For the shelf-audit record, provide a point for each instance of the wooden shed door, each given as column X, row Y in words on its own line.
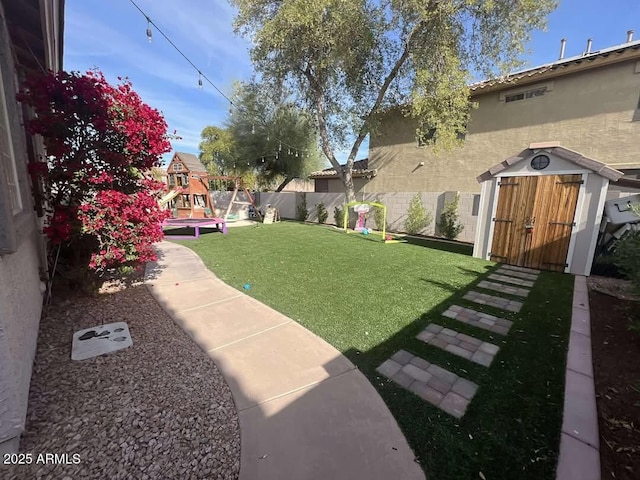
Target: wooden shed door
column 534, row 220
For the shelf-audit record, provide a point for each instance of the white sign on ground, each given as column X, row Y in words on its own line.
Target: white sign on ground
column 95, row 341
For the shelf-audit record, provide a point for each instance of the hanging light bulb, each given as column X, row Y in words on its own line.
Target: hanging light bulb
column 230, row 109
column 262, row 159
column 149, row 32
column 253, row 129
column 199, row 79
column 296, row 154
column 280, row 147
column 267, row 137
column 276, row 155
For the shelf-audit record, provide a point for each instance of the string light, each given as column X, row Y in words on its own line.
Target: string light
column 253, row 129
column 201, row 76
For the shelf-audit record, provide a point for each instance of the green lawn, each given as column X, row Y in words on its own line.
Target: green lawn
column 370, row 299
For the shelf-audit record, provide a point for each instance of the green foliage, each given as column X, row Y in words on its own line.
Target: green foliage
column 349, row 61
column 378, row 216
column 322, row 213
column 627, row 257
column 418, row 218
column 301, row 209
column 338, row 217
column 448, row 226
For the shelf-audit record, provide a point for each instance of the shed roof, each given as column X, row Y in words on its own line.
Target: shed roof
column 192, row 162
column 360, row 169
column 600, row 168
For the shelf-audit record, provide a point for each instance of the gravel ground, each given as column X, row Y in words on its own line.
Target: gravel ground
column 159, row 409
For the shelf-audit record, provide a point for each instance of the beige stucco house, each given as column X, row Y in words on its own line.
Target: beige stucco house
column 589, row 103
column 31, row 38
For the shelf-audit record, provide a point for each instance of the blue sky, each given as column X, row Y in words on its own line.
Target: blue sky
column 110, row 35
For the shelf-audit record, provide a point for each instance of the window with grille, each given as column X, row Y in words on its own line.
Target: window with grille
column 177, row 167
column 535, row 92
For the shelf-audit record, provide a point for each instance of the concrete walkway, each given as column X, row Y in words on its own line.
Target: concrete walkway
column 305, row 411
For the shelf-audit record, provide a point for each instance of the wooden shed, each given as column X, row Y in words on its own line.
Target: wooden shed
column 542, row 209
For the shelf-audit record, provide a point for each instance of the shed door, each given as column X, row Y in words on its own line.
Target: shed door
column 534, row 220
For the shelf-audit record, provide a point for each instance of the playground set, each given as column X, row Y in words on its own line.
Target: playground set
column 210, row 215
column 361, row 209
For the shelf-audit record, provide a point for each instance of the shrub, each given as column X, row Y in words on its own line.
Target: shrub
column 338, row 217
column 418, row 218
column 378, row 216
column 322, row 213
column 302, row 212
column 102, row 212
column 448, row 226
column 627, row 257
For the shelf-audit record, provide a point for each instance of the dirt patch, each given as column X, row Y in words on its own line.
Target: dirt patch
column 616, row 351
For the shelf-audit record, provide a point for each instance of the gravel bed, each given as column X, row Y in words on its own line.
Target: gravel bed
column 159, row 409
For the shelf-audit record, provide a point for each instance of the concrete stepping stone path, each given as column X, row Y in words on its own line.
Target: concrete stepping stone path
column 478, row 319
column 516, row 281
column 459, row 344
column 498, row 302
column 520, row 269
column 500, row 287
column 514, row 273
column 432, row 383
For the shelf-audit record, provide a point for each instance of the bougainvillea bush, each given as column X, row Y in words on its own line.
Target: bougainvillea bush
column 101, row 209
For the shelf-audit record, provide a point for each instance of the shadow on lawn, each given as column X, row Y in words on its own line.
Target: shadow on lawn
column 438, row 244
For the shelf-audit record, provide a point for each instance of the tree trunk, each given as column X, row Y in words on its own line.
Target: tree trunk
column 284, row 183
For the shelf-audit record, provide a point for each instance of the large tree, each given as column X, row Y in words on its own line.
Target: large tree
column 265, row 140
column 276, row 138
column 352, row 59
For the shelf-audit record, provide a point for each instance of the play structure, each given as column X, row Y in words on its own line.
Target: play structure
column 361, row 209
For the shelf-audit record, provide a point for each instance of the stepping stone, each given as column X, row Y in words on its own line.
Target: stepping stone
column 499, row 287
column 513, row 273
column 520, row 269
column 432, row 383
column 515, row 281
column 478, row 319
column 460, row 344
column 497, row 302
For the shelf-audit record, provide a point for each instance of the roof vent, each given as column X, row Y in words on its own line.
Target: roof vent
column 563, row 44
column 589, row 43
column 629, row 36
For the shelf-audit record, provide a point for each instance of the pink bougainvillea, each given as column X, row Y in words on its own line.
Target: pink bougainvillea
column 99, row 141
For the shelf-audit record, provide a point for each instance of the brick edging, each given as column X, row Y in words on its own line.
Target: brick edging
column 579, row 457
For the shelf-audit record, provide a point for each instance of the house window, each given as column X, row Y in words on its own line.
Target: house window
column 186, row 201
column 7, row 159
column 535, row 92
column 425, row 137
column 185, row 179
column 172, row 180
column 177, row 167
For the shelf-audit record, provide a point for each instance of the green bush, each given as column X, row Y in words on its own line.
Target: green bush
column 378, row 216
column 322, row 213
column 301, row 209
column 448, row 226
column 627, row 257
column 418, row 218
column 338, row 217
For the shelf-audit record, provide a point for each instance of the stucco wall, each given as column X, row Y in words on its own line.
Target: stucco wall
column 397, row 207
column 20, row 295
column 590, row 112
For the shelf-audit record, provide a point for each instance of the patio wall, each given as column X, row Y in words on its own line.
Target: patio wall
column 397, row 207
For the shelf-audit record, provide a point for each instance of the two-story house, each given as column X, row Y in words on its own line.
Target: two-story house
column 31, row 39
column 187, row 174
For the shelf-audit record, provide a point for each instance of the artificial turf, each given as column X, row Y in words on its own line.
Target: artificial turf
column 370, row 299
